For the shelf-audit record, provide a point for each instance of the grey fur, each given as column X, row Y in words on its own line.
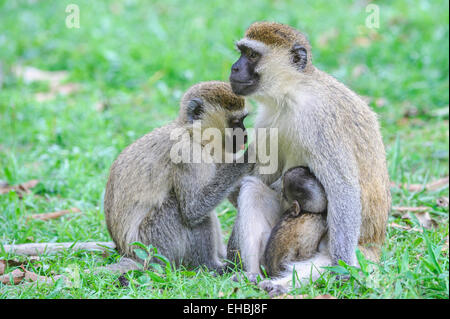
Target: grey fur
column 155, row 201
column 325, row 126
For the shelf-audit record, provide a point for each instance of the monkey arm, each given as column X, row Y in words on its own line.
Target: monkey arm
column 271, row 180
column 197, row 201
column 338, row 175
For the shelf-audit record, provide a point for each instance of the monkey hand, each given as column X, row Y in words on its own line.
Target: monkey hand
column 250, row 277
column 272, row 288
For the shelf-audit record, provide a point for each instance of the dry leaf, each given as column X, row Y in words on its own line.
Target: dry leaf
column 15, row 262
column 410, row 209
column 418, row 187
column 62, row 89
column 442, row 202
column 67, row 88
column 424, row 219
column 20, row 188
column 437, row 184
column 23, row 275
column 403, row 227
column 30, row 74
column 44, row 96
column 53, row 215
column 16, row 275
column 325, row 297
column 287, row 296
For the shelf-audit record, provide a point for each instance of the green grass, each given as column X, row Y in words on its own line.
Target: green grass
column 139, row 56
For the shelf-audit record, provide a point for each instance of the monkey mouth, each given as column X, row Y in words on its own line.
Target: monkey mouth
column 243, row 87
column 243, row 82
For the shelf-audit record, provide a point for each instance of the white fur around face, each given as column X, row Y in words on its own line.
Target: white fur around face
column 258, row 46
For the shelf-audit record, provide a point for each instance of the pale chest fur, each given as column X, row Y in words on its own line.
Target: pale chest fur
column 291, row 150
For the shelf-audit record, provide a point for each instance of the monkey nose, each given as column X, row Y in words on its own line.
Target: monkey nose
column 234, row 68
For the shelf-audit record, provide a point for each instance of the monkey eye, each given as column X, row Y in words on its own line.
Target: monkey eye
column 253, row 55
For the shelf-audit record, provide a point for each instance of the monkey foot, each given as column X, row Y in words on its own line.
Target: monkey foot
column 272, row 288
column 250, row 276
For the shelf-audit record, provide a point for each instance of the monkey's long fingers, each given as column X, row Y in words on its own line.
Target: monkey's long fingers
column 272, row 288
column 249, row 276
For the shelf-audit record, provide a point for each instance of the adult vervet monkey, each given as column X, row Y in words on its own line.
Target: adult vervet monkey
column 170, row 205
column 323, row 125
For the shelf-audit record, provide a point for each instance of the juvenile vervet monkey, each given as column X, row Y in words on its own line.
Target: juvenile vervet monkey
column 297, row 235
column 322, row 125
column 151, row 199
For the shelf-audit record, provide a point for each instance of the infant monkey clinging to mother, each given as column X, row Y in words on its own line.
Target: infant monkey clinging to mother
column 300, row 229
column 297, row 235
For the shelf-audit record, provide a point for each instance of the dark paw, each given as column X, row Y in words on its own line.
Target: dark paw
column 246, row 277
column 272, row 289
column 122, row 281
column 219, row 270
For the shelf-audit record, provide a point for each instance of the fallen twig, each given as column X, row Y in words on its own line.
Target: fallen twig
column 20, row 275
column 53, row 215
column 419, row 187
column 20, row 188
column 41, row 248
column 411, row 209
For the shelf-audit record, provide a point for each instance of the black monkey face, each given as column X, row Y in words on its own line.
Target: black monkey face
column 243, row 78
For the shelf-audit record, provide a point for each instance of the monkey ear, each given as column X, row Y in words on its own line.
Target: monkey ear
column 299, row 56
column 295, row 208
column 194, row 109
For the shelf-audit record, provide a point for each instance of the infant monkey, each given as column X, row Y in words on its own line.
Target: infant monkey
column 297, row 235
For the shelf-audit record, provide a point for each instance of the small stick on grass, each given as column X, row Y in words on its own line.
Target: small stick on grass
column 53, row 215
column 41, row 248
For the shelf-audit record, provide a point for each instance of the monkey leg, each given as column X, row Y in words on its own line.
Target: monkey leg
column 166, row 233
column 258, row 211
column 205, row 246
column 220, row 246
